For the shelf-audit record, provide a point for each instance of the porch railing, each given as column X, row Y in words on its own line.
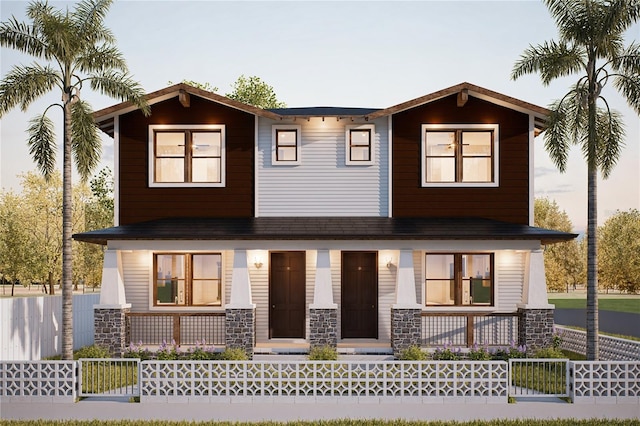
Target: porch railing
column 154, row 328
column 467, row 329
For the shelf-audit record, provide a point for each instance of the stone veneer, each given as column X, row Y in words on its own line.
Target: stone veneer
column 406, row 329
column 535, row 328
column 323, row 327
column 110, row 329
column 240, row 326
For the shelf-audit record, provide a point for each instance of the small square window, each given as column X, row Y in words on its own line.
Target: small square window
column 286, row 145
column 359, row 147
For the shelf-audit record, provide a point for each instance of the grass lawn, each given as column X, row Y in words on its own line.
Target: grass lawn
column 630, row 303
column 346, row 422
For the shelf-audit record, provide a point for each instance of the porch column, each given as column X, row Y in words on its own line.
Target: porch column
column 240, row 319
column 535, row 314
column 110, row 316
column 406, row 318
column 323, row 313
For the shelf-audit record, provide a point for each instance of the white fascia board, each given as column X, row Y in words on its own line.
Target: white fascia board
column 532, row 136
column 362, row 245
column 116, row 171
column 390, row 165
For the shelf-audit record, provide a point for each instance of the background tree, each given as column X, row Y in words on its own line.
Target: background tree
column 13, row 239
column 75, row 48
column 253, row 91
column 591, row 45
column 204, row 86
column 563, row 262
column 98, row 214
column 619, row 255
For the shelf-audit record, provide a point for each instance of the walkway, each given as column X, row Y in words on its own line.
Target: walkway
column 109, row 409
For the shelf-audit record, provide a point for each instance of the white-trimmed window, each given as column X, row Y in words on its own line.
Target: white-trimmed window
column 359, row 148
column 285, row 146
column 186, row 155
column 459, row 279
column 460, row 154
column 185, row 279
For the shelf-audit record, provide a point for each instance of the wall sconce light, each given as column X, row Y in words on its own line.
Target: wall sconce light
column 389, row 262
column 257, row 262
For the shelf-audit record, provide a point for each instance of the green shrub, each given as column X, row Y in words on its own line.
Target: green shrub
column 549, row 352
column 323, row 353
column 509, row 352
column 137, row 351
column 93, row 351
column 413, row 353
column 479, row 353
column 233, row 354
column 446, row 354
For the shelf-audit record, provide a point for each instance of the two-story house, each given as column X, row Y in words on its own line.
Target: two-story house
column 349, row 227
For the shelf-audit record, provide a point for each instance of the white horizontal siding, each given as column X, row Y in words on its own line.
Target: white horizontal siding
column 322, row 184
column 136, row 270
column 510, row 270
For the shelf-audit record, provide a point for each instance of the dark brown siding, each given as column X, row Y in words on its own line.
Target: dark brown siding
column 508, row 202
column 139, row 203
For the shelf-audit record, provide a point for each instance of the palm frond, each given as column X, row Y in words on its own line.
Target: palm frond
column 38, row 11
column 556, row 139
column 551, row 60
column 568, row 16
column 88, row 18
column 42, row 144
column 102, row 57
column 24, row 84
column 628, row 62
column 86, row 145
column 120, row 86
column 629, row 86
column 610, row 131
column 619, row 15
column 63, row 44
column 22, row 37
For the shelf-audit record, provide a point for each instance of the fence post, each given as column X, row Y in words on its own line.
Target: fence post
column 176, row 329
column 470, row 330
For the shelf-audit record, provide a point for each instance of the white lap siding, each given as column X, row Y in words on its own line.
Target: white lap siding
column 136, row 270
column 322, row 184
column 510, row 270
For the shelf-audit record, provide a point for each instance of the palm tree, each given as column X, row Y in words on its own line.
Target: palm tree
column 74, row 48
column 591, row 45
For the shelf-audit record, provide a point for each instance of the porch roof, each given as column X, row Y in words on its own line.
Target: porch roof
column 324, row 228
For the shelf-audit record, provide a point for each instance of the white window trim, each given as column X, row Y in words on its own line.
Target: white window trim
column 274, row 157
column 347, row 147
column 152, row 163
column 496, row 157
column 189, row 308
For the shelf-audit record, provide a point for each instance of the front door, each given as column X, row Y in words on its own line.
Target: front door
column 287, row 294
column 359, row 295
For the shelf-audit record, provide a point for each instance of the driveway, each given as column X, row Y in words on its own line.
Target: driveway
column 624, row 323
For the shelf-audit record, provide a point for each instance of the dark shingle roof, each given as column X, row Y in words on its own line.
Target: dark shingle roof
column 323, row 228
column 324, row 111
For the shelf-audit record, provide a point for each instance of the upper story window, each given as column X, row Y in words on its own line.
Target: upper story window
column 184, row 279
column 359, row 144
column 190, row 155
column 459, row 279
column 460, row 155
column 285, row 148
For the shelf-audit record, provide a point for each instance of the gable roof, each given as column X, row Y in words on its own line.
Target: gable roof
column 538, row 112
column 104, row 117
column 324, row 228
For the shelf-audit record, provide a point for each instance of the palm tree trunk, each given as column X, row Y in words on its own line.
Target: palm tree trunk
column 592, row 222
column 67, row 289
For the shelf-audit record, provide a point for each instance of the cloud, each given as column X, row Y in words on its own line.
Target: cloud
column 557, row 189
column 107, row 153
column 544, row 171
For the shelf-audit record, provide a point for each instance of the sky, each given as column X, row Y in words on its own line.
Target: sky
column 357, row 54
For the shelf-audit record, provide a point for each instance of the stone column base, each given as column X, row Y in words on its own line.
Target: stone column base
column 240, row 329
column 535, row 328
column 110, row 329
column 406, row 329
column 323, row 327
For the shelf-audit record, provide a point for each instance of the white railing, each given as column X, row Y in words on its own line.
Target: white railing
column 610, row 348
column 316, row 381
column 605, row 382
column 31, row 327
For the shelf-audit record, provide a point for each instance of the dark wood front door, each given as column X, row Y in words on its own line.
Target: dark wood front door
column 359, row 295
column 287, row 294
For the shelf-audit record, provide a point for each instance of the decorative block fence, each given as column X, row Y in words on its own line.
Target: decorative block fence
column 313, row 381
column 611, row 348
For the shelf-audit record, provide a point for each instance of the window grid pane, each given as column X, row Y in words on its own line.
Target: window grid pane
column 458, row 279
column 360, row 145
column 286, row 145
column 183, row 279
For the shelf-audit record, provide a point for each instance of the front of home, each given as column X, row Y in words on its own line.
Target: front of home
column 302, row 227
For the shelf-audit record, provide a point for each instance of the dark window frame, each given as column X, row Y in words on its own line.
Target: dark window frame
column 294, row 147
column 352, row 145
